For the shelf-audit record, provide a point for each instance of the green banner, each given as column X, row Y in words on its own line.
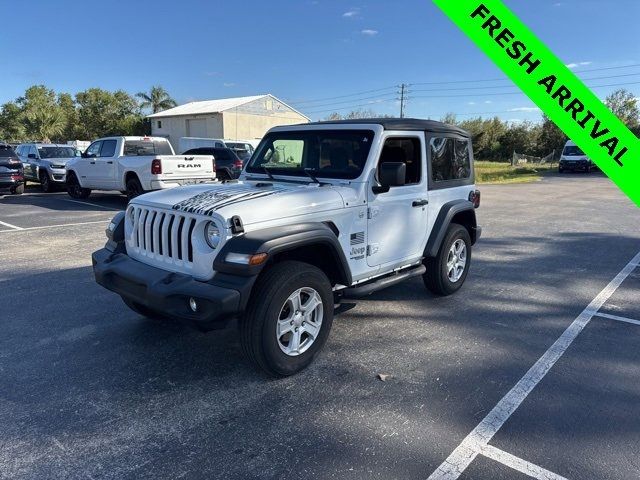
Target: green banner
column 559, row 93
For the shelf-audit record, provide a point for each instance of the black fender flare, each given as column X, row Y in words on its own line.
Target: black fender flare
column 443, row 220
column 276, row 240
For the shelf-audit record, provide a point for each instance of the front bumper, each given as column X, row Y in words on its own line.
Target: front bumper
column 166, row 292
column 57, row 175
column 575, row 165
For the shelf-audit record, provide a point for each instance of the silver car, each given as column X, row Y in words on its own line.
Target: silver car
column 44, row 163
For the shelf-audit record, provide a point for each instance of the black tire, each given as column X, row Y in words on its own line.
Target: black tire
column 17, row 190
column 436, row 278
column 560, row 170
column 222, row 175
column 142, row 310
column 134, row 188
column 258, row 338
column 74, row 189
column 45, row 182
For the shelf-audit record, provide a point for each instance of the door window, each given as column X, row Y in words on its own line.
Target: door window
column 108, row 148
column 94, row 149
column 406, row 150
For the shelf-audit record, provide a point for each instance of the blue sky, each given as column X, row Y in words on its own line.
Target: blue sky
column 306, row 52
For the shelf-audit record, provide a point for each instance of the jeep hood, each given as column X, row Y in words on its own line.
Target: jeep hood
column 252, row 202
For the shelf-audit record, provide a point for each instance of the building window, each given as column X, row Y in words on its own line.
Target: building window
column 159, row 124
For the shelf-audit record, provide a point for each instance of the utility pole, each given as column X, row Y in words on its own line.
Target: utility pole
column 403, row 98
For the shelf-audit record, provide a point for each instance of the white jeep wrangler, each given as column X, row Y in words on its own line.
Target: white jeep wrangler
column 322, row 211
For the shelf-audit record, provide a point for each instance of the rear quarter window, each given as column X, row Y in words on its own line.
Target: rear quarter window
column 143, row 148
column 450, row 161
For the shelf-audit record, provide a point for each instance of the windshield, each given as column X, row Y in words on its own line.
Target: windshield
column 573, row 151
column 324, row 153
column 56, row 152
column 147, row 147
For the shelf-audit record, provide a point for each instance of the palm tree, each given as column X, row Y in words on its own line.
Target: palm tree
column 157, row 99
column 45, row 124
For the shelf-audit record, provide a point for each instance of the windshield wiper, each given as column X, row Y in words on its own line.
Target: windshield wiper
column 310, row 173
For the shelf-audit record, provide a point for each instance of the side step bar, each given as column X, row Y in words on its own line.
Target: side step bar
column 384, row 282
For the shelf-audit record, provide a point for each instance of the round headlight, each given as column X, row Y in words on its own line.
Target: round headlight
column 212, row 235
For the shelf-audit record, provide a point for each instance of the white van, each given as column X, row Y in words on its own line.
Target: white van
column 573, row 158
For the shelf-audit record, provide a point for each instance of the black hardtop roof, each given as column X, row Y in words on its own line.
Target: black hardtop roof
column 401, row 124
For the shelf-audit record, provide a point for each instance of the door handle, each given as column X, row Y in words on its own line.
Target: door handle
column 420, row 203
column 92, row 163
column 110, row 163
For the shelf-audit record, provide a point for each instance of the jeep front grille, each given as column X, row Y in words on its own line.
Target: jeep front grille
column 162, row 235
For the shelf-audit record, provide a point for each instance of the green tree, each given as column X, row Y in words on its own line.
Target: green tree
column 101, row 113
column 518, row 137
column 550, row 138
column 486, row 134
column 157, row 100
column 67, row 105
column 449, row 119
column 42, row 117
column 624, row 105
column 356, row 114
column 11, row 124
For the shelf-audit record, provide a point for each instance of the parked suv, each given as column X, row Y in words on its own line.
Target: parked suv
column 228, row 163
column 45, row 163
column 11, row 172
column 322, row 212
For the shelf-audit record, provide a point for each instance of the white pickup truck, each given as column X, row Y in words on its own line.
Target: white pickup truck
column 134, row 165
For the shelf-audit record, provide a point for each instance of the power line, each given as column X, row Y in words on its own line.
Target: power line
column 352, row 107
column 370, row 104
column 507, row 86
column 375, row 97
column 389, row 93
column 515, row 93
column 341, row 96
column 503, row 78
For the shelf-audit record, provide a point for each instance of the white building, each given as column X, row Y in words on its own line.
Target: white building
column 242, row 118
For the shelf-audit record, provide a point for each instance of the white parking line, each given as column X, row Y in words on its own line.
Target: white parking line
column 466, row 452
column 11, row 226
column 88, row 203
column 619, row 319
column 26, row 229
column 518, row 464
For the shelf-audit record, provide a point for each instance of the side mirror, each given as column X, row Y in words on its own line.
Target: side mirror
column 390, row 174
column 32, row 156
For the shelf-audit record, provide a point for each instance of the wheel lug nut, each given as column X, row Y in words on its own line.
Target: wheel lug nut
column 291, row 322
column 296, row 329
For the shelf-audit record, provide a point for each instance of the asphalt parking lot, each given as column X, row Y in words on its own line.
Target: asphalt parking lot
column 531, row 370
